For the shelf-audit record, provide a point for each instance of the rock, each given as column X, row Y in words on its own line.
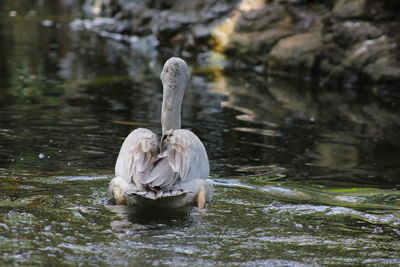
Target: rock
column 348, row 33
column 157, row 4
column 201, row 33
column 261, row 18
column 259, row 29
column 217, row 10
column 382, row 10
column 255, row 44
column 366, row 52
column 178, row 24
column 166, row 31
column 349, row 41
column 104, row 8
column 369, row 60
column 348, row 9
column 384, row 69
column 297, row 52
column 367, row 9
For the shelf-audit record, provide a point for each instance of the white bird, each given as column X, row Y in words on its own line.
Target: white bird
column 169, row 173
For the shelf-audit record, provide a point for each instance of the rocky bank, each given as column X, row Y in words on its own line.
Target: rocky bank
column 351, row 42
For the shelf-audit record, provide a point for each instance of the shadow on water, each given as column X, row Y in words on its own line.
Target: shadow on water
column 302, row 175
column 168, row 217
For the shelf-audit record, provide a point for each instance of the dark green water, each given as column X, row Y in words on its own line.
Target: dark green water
column 303, row 175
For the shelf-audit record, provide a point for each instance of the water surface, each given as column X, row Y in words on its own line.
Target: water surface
column 303, row 175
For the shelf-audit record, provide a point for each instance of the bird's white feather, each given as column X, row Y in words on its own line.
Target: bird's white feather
column 136, row 156
column 183, row 158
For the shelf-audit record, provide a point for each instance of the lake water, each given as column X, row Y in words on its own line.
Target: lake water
column 303, row 175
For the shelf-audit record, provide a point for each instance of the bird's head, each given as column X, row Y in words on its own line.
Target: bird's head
column 175, row 73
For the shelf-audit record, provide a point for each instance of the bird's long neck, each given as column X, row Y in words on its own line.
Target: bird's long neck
column 171, row 106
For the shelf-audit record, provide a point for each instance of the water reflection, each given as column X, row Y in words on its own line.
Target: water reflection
column 156, row 217
column 318, row 131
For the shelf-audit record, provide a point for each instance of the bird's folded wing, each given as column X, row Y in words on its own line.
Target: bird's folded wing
column 184, row 158
column 188, row 156
column 136, row 156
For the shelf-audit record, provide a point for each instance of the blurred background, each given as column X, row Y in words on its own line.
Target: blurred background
column 296, row 102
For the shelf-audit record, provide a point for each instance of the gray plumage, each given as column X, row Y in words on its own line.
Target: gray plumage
column 168, row 173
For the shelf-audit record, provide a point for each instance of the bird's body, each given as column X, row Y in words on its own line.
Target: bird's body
column 169, row 173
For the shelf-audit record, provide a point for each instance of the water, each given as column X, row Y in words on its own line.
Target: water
column 303, row 175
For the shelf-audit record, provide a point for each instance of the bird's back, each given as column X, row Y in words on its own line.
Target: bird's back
column 176, row 168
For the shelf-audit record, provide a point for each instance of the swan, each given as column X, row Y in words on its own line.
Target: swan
column 167, row 173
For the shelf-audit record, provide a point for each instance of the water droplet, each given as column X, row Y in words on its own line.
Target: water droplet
column 41, row 156
column 47, row 23
column 298, row 225
column 377, row 230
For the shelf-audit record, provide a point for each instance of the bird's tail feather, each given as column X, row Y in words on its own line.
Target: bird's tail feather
column 158, row 194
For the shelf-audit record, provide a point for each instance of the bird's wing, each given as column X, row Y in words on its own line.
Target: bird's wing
column 183, row 157
column 188, row 156
column 136, row 156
